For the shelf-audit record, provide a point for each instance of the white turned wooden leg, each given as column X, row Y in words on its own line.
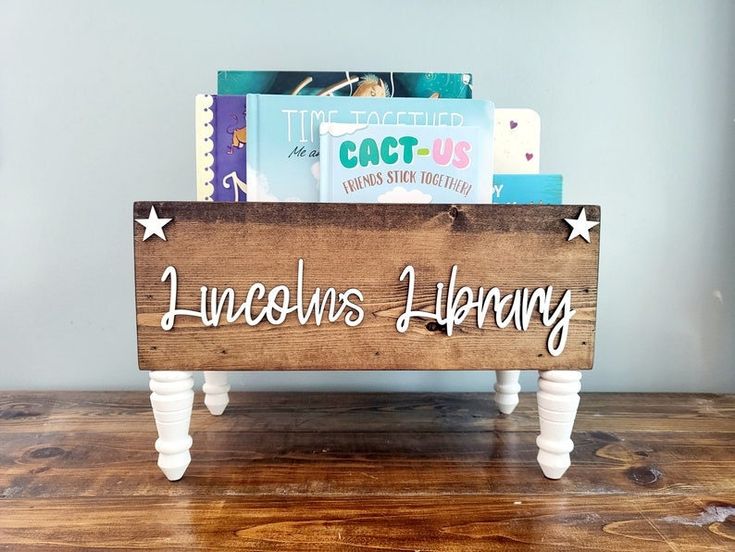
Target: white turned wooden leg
column 558, row 400
column 172, row 399
column 507, row 389
column 215, row 392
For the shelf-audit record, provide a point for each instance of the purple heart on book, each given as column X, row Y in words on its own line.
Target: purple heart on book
column 529, row 156
column 513, row 124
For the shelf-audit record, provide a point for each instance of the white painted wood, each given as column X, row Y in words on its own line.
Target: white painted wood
column 558, row 399
column 153, row 225
column 172, row 399
column 215, row 392
column 581, row 226
column 507, row 389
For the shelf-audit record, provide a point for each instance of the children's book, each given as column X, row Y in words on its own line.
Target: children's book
column 517, row 152
column 361, row 163
column 220, row 147
column 221, row 161
column 346, row 83
column 283, row 134
column 527, row 188
column 517, row 141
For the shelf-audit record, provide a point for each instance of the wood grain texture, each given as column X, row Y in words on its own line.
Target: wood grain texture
column 365, row 246
column 319, row 471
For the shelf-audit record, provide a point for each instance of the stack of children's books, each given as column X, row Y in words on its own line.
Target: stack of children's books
column 365, row 137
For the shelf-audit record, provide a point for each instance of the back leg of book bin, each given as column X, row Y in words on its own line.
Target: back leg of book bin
column 216, row 390
column 507, row 389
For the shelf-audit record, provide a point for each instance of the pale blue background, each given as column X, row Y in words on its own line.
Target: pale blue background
column 637, row 101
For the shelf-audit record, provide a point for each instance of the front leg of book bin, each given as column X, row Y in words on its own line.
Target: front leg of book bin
column 172, row 398
column 558, row 399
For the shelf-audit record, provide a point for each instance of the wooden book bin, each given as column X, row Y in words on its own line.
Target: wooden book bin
column 288, row 286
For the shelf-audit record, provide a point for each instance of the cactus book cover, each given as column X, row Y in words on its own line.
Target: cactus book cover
column 362, row 163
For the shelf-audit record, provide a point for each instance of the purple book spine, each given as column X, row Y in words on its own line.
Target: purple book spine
column 220, row 146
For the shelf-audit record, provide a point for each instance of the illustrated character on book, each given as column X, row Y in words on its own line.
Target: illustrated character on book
column 372, row 86
column 239, row 136
column 369, row 85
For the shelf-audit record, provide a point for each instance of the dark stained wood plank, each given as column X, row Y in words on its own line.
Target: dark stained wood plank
column 365, row 412
column 489, row 522
column 356, row 444
column 344, row 246
column 318, row 471
column 362, row 464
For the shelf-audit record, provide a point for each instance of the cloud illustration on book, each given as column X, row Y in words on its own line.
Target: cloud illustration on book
column 259, row 182
column 340, row 129
column 399, row 194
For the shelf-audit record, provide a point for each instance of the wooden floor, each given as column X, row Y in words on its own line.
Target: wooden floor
column 367, row 472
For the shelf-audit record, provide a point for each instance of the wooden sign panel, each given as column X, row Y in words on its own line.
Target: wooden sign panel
column 287, row 286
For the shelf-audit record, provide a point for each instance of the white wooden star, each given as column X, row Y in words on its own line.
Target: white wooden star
column 153, row 225
column 581, row 226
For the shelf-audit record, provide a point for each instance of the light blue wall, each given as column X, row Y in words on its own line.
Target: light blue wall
column 637, row 101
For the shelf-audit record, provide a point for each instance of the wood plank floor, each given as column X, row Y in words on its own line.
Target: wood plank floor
column 367, row 472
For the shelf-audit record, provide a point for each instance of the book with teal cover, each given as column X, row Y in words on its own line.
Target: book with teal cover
column 346, row 83
column 543, row 189
column 283, row 134
column 362, row 163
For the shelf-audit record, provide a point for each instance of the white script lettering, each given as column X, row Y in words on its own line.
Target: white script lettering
column 278, row 305
column 459, row 304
